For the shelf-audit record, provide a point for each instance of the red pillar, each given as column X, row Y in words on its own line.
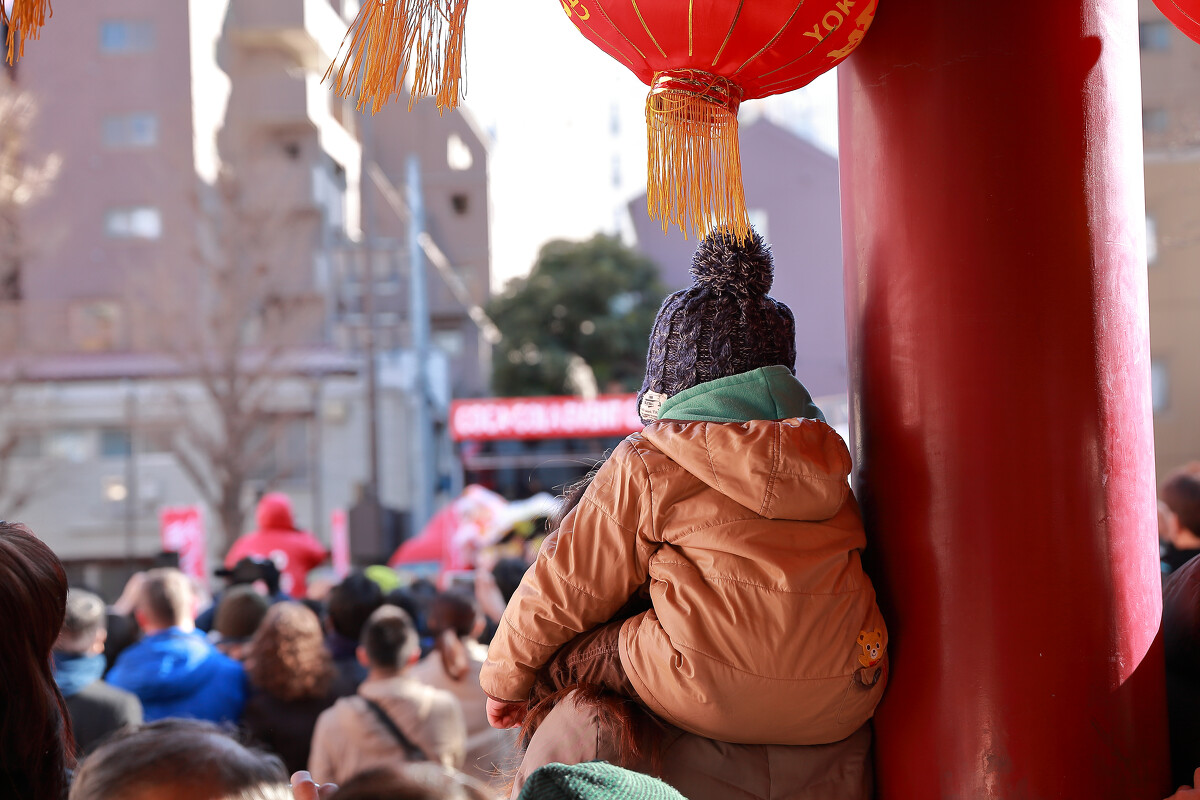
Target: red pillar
column 996, row 298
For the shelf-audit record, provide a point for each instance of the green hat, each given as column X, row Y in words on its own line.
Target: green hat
column 595, row 780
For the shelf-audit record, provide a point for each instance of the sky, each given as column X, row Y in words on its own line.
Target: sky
column 567, row 128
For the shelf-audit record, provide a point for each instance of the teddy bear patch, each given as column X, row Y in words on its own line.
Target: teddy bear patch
column 872, row 646
column 871, row 643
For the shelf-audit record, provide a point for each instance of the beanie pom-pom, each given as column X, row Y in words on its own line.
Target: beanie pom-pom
column 722, row 264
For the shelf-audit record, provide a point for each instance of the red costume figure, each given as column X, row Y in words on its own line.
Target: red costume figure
column 294, row 551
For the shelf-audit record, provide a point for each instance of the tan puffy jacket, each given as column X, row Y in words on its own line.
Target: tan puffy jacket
column 764, row 628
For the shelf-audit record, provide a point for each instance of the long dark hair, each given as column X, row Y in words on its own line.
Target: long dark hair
column 36, row 747
column 452, row 616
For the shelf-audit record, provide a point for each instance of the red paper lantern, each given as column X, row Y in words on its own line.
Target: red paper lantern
column 1184, row 13
column 701, row 59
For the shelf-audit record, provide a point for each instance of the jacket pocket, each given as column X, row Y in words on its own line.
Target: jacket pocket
column 862, row 695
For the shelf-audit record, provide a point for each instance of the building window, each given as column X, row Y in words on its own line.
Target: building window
column 126, row 36
column 1151, row 240
column 452, row 343
column 69, row 444
column 458, row 155
column 1154, row 120
column 94, row 326
column 1155, row 35
column 1160, row 385
column 28, row 444
column 130, row 130
column 285, row 442
column 139, row 222
column 115, row 443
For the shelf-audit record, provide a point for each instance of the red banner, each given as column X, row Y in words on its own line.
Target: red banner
column 182, row 529
column 544, row 417
column 339, row 543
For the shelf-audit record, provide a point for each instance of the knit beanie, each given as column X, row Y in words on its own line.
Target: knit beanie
column 594, row 780
column 724, row 324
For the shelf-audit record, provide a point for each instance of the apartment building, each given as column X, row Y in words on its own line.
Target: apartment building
column 194, row 134
column 1171, row 131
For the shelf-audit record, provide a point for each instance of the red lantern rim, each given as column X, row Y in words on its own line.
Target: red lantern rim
column 705, row 85
column 1187, row 19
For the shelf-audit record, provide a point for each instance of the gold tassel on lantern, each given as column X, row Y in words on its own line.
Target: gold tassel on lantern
column 390, row 35
column 24, row 20
column 694, row 175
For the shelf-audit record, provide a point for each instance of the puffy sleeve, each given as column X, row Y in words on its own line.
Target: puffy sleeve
column 584, row 574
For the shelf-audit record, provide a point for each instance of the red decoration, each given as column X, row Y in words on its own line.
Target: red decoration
column 1184, row 13
column 23, row 19
column 544, row 417
column 701, row 59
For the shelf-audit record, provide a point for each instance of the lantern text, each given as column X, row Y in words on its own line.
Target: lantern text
column 832, row 19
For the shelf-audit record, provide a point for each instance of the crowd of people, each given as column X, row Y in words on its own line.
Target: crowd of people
column 698, row 624
column 352, row 683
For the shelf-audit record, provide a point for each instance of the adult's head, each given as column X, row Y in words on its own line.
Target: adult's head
column 1168, row 523
column 287, row 658
column 35, row 735
column 1181, row 493
column 508, row 573
column 166, row 600
column 239, row 614
column 389, row 641
column 83, row 630
column 416, row 781
column 724, row 324
column 274, row 513
column 253, row 571
column 182, row 760
column 454, row 612
column 403, row 598
column 452, row 617
column 351, row 602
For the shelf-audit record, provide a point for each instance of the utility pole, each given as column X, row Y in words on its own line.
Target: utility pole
column 369, row 345
column 426, row 462
column 131, row 475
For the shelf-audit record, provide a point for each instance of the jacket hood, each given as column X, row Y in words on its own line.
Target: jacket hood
column 275, row 513
column 167, row 666
column 764, row 393
column 747, row 436
column 787, row 469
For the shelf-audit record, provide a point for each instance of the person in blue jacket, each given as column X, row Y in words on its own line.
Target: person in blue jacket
column 174, row 670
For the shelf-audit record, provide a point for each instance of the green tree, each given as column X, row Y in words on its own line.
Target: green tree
column 585, row 305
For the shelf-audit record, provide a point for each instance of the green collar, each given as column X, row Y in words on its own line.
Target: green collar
column 764, row 393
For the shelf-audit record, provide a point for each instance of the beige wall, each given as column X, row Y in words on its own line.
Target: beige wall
column 239, row 81
column 77, row 86
column 1170, row 81
column 457, row 217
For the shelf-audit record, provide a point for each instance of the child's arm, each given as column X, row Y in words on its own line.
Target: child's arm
column 583, row 575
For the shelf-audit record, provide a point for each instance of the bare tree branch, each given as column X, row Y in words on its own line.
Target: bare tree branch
column 228, row 324
column 23, row 179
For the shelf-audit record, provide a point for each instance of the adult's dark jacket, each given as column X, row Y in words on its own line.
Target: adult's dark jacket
column 99, row 710
column 96, row 708
column 1181, row 641
column 286, row 727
